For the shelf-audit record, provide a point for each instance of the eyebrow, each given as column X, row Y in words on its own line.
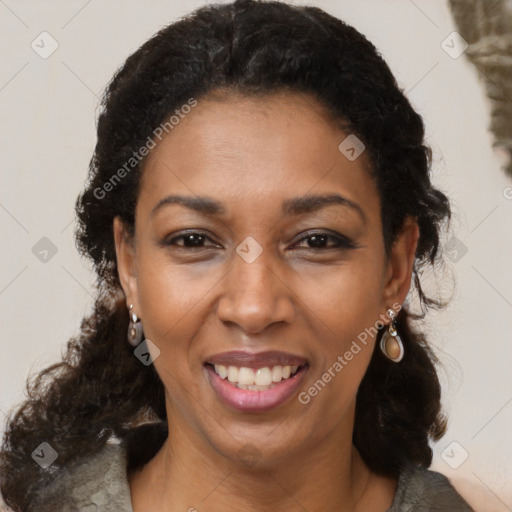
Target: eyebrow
column 295, row 206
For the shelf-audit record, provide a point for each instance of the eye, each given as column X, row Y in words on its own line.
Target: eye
column 319, row 240
column 191, row 240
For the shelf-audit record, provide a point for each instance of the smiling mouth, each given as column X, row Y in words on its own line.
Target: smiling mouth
column 255, row 379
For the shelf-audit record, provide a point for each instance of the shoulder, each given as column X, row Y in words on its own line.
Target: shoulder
column 97, row 482
column 423, row 490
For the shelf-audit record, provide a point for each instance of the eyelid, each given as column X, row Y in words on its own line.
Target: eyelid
column 344, row 242
column 170, row 239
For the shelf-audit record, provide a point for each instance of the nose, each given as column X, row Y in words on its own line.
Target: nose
column 255, row 295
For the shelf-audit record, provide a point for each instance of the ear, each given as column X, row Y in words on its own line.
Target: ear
column 126, row 263
column 398, row 274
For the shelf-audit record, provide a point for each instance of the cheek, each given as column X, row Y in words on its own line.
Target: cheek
column 346, row 299
column 172, row 298
column 344, row 308
column 170, row 295
column 344, row 314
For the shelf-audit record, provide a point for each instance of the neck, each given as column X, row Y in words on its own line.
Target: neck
column 188, row 474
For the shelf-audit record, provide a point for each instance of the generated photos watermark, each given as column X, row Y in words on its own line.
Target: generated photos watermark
column 344, row 359
column 137, row 156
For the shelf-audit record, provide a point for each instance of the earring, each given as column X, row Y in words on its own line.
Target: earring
column 134, row 328
column 390, row 344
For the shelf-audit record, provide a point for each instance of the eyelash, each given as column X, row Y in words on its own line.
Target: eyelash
column 341, row 242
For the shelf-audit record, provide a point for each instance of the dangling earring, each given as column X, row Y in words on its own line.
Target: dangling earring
column 390, row 344
column 134, row 328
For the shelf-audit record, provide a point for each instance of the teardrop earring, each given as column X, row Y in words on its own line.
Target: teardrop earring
column 134, row 328
column 390, row 344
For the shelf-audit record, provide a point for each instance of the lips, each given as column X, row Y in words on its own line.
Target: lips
column 255, row 382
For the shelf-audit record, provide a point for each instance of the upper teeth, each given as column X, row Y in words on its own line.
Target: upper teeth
column 257, row 379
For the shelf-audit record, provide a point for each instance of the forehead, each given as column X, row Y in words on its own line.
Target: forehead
column 245, row 150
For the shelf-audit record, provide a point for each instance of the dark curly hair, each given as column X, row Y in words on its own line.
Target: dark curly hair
column 251, row 47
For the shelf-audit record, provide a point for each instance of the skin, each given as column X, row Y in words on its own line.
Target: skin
column 251, row 154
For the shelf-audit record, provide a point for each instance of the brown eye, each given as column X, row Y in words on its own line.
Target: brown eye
column 321, row 241
column 191, row 240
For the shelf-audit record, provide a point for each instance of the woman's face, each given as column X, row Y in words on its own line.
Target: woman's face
column 285, row 268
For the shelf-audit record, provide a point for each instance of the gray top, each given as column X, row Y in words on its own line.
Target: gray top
column 100, row 484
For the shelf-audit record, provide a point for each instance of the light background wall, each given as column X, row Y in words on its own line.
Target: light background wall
column 47, row 112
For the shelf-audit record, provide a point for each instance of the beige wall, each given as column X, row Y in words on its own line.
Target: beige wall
column 47, row 112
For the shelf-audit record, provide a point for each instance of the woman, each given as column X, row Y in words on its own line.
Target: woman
column 258, row 203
